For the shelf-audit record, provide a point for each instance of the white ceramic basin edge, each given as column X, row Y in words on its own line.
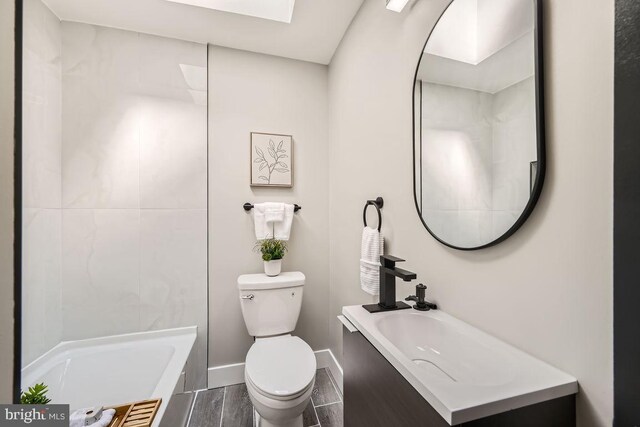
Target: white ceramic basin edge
column 462, row 372
column 114, row 369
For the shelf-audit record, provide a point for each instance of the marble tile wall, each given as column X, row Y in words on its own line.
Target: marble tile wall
column 115, row 184
column 134, row 185
column 100, row 272
column 42, row 171
column 476, row 150
column 115, row 178
column 514, row 148
column 456, row 163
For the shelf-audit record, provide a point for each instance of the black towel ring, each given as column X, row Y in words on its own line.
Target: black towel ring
column 378, row 203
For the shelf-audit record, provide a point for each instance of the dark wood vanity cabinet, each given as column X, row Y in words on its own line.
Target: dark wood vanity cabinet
column 376, row 394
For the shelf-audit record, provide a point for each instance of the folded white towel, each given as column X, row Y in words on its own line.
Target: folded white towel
column 274, row 212
column 372, row 248
column 282, row 229
column 80, row 418
column 107, row 416
column 263, row 229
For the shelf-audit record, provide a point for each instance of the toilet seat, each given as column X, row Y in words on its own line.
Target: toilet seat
column 272, row 397
column 280, row 368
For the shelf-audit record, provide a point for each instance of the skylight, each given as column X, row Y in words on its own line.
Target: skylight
column 473, row 30
column 275, row 10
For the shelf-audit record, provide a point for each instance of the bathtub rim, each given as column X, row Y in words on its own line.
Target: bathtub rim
column 169, row 378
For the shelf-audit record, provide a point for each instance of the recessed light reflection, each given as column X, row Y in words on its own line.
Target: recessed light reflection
column 196, row 79
column 396, row 5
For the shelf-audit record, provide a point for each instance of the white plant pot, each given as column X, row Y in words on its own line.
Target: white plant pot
column 273, row 268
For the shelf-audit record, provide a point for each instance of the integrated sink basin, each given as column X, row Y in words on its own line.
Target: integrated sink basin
column 463, row 373
column 445, row 353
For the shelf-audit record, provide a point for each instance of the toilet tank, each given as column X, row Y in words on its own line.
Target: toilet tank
column 271, row 305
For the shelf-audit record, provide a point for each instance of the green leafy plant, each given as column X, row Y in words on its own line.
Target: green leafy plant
column 36, row 395
column 271, row 249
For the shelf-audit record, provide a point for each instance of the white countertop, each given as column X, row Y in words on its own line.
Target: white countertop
column 463, row 373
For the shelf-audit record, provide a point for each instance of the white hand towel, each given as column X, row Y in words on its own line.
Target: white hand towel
column 282, row 229
column 264, row 230
column 369, row 277
column 274, row 212
column 372, row 248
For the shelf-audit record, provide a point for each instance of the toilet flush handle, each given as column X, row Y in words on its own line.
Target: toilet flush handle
column 249, row 297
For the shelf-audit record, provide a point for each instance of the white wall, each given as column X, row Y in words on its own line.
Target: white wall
column 253, row 92
column 7, row 64
column 42, row 181
column 548, row 289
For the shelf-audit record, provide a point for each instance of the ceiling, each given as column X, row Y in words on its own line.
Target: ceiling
column 508, row 66
column 315, row 31
column 276, row 10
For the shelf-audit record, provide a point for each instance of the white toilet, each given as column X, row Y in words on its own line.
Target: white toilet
column 280, row 368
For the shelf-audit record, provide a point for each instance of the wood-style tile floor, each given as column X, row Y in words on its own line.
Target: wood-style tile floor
column 231, row 407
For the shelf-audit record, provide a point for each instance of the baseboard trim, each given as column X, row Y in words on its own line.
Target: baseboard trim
column 222, row 376
column 326, row 359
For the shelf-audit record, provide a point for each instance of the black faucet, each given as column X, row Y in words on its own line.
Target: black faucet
column 421, row 304
column 388, row 274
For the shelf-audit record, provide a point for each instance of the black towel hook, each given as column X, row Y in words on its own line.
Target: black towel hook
column 378, row 203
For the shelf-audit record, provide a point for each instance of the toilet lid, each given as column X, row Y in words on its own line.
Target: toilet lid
column 281, row 366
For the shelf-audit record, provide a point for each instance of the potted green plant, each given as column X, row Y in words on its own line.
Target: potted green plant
column 272, row 251
column 36, row 395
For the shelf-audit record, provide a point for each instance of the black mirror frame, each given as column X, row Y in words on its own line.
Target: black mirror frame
column 540, row 130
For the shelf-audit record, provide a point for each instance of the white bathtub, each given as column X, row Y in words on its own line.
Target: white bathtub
column 114, row 370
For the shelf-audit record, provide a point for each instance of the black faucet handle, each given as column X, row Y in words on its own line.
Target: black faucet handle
column 421, row 304
column 389, row 261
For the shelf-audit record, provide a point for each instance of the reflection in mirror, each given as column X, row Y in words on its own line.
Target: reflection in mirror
column 478, row 145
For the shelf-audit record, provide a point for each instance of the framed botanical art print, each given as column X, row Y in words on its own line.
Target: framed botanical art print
column 271, row 160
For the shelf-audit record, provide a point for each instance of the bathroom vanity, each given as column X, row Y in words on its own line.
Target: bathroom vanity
column 431, row 369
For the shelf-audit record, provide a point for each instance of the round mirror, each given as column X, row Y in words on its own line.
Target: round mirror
column 478, row 122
